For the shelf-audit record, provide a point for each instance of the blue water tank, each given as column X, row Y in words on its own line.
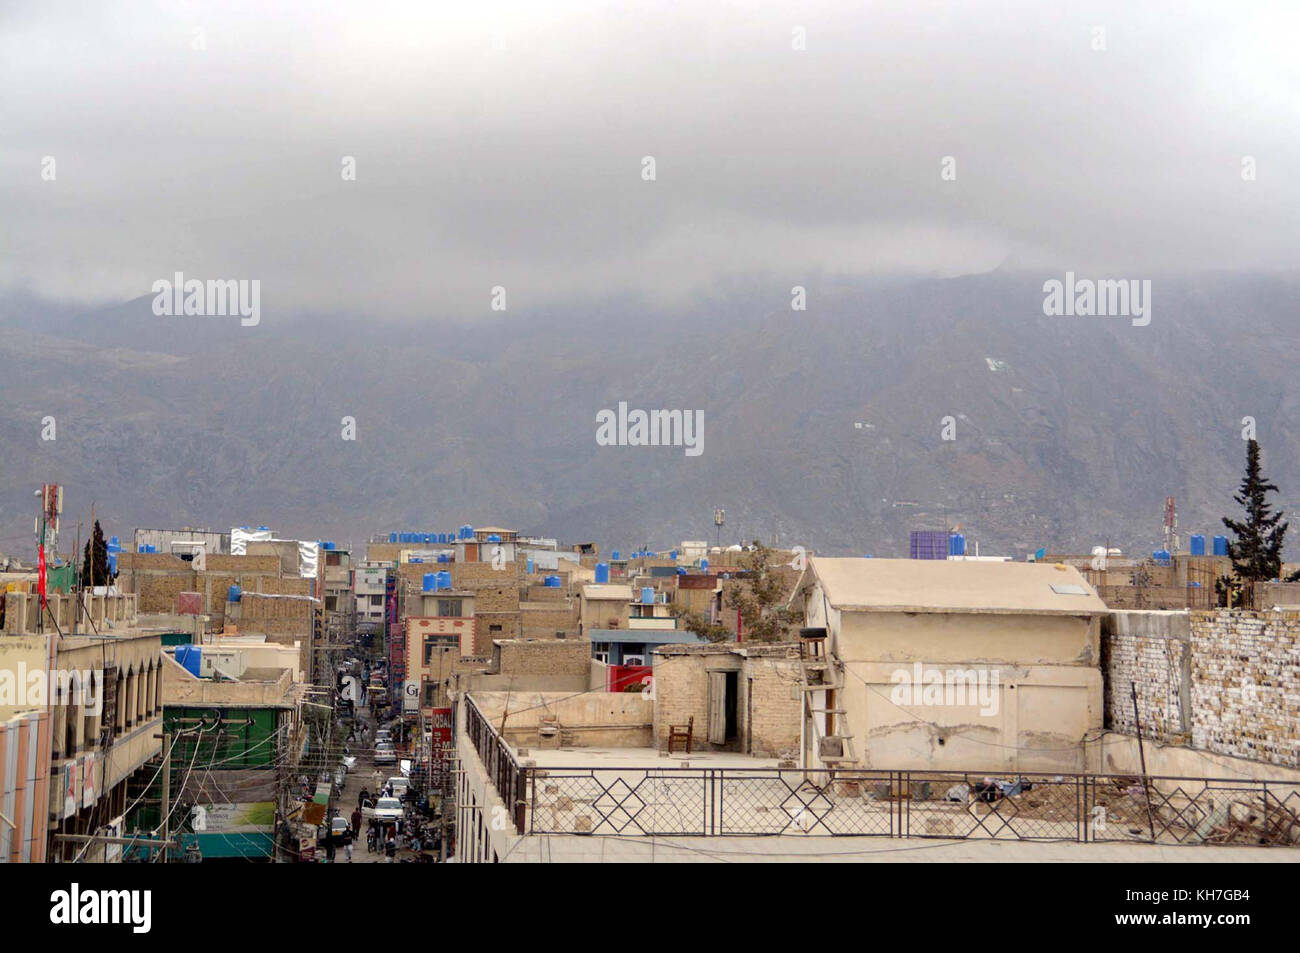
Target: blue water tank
column 234, row 594
column 704, row 564
column 614, row 554
column 1220, row 545
column 494, row 538
column 429, row 581
column 681, row 570
column 113, row 545
column 647, row 595
column 188, row 657
column 866, row 556
column 602, row 572
column 673, row 554
column 528, row 566
column 553, row 582
column 263, row 529
column 392, row 537
column 956, row 544
column 1161, row 556
column 1197, row 542
column 417, row 559
column 444, row 580
column 140, row 548
column 112, row 562
column 444, row 558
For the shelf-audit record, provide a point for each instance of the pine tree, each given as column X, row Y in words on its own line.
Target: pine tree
column 1256, row 553
column 94, row 564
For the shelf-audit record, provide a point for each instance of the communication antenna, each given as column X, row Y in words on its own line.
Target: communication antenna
column 719, row 520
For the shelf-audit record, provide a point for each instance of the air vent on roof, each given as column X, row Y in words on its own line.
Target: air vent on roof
column 1068, row 589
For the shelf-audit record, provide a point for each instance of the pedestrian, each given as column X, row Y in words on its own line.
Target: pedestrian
column 356, row 822
column 347, row 849
column 390, row 848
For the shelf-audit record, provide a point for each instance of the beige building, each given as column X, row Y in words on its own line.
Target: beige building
column 102, row 695
column 604, row 606
column 936, row 664
column 739, row 697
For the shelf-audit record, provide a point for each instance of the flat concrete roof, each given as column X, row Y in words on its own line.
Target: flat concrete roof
column 636, row 758
column 607, row 591
column 647, row 636
column 941, row 585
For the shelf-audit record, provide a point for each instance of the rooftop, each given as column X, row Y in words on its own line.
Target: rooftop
column 607, row 591
column 940, row 585
column 637, row 636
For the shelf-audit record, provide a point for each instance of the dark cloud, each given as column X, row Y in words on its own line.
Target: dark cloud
column 501, row 144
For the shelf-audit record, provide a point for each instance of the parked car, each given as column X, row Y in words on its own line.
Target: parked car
column 384, row 754
column 338, row 832
column 400, row 786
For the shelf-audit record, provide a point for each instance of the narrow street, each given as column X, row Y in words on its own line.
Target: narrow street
column 366, row 775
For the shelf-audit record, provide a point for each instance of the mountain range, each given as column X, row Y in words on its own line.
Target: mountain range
column 823, row 427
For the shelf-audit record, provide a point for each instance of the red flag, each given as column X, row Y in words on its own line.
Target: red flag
column 40, row 575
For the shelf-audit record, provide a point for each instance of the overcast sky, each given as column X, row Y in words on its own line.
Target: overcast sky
column 502, row 144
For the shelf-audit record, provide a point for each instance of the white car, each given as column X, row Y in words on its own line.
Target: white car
column 387, row 809
column 385, row 755
column 400, row 786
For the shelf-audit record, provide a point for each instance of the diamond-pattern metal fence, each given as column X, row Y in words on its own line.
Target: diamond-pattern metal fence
column 1031, row 807
column 684, row 801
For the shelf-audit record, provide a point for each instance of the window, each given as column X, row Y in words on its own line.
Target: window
column 449, row 608
column 633, row 659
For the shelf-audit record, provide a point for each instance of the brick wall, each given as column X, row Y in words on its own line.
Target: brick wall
column 542, row 621
column 681, row 691
column 1221, row 681
column 553, row 657
column 1152, row 652
column 774, row 706
column 1246, row 684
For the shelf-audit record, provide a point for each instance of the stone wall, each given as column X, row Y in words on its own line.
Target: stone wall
column 1222, row 681
column 1152, row 651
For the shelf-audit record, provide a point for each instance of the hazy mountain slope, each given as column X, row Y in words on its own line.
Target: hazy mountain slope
column 1078, row 435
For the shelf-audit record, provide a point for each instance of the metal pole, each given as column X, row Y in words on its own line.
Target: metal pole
column 166, row 789
column 1146, row 790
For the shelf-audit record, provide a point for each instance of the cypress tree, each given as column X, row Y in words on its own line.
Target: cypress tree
column 1256, row 552
column 94, row 564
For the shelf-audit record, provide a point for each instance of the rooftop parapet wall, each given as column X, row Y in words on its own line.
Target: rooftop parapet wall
column 1223, row 681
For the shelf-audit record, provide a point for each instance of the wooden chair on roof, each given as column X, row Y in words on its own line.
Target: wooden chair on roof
column 681, row 733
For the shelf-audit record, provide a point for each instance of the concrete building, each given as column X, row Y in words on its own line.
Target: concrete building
column 937, row 664
column 368, row 586
column 240, row 725
column 635, row 646
column 90, row 730
column 180, row 542
column 604, row 606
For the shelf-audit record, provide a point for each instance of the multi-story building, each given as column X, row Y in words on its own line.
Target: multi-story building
column 89, row 731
